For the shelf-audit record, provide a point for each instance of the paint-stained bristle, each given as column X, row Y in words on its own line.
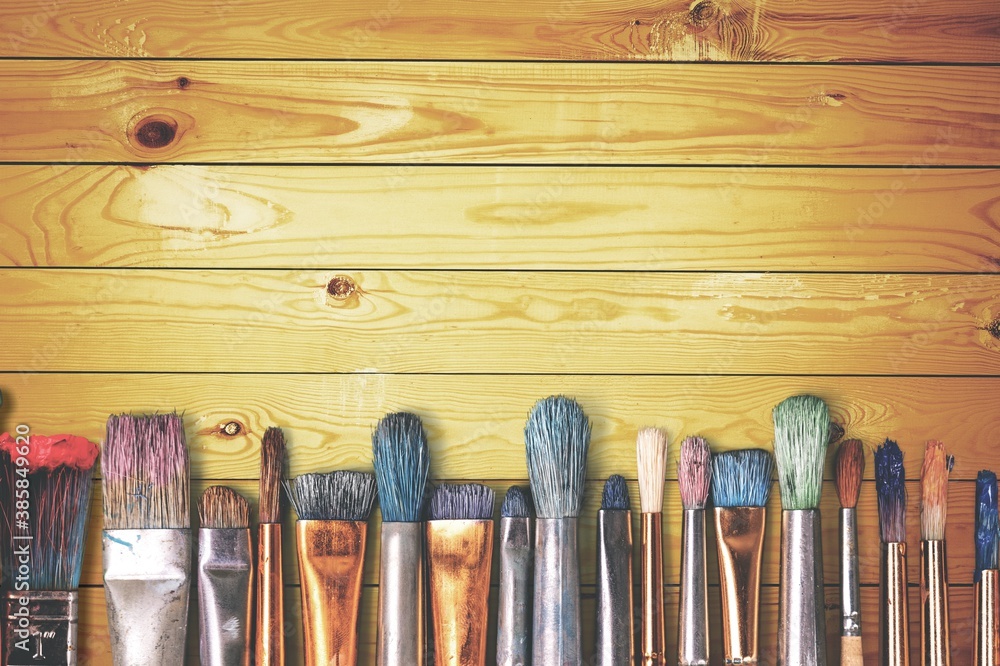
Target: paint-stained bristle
column 890, row 485
column 615, row 496
column 557, row 439
column 145, row 475
column 516, row 503
column 801, row 434
column 848, row 471
column 337, row 495
column 223, row 508
column 402, row 460
column 651, row 459
column 694, row 472
column 467, row 501
column 742, row 478
column 272, row 471
column 934, row 491
column 987, row 527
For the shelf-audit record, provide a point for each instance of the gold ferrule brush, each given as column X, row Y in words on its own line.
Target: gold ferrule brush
column 987, row 646
column 894, row 639
column 739, row 535
column 459, row 558
column 653, row 638
column 270, row 597
column 331, row 563
column 934, row 639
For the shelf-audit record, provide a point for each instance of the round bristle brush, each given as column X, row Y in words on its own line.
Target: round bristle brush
column 894, row 621
column 935, row 639
column 651, row 459
column 613, row 638
column 694, row 476
column 849, row 469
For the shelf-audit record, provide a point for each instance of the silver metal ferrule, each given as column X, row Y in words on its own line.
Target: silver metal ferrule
column 401, row 633
column 147, row 582
column 225, row 576
column 613, row 643
column 850, row 579
column 801, row 610
column 692, row 631
column 556, row 636
column 41, row 628
column 517, row 563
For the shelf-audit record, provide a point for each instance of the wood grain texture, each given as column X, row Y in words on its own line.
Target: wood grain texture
column 413, row 113
column 444, row 321
column 742, row 219
column 740, row 30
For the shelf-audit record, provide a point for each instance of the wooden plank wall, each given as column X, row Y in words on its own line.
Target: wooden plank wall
column 308, row 214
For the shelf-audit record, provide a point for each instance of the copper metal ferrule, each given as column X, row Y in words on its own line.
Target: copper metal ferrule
column 739, row 533
column 894, row 628
column 41, row 628
column 459, row 558
column 935, row 645
column 270, row 597
column 987, row 649
column 653, row 635
column 331, row 563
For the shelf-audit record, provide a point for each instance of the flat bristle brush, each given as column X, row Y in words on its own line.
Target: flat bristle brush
column 401, row 461
column 225, row 578
column 987, row 576
column 894, row 620
column 848, row 471
column 694, row 477
column 48, row 483
column 557, row 439
column 935, row 639
column 741, row 486
column 146, row 539
column 330, row 533
column 801, row 434
column 651, row 461
column 459, row 533
column 517, row 566
column 270, row 601
column 613, row 638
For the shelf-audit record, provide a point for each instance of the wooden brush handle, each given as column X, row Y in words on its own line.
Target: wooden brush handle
column 851, row 653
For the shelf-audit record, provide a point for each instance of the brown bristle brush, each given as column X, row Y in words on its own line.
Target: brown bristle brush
column 270, row 644
column 848, row 471
column 935, row 642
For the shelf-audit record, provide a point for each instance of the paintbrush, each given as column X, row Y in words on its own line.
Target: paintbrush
column 401, row 463
column 987, row 578
column 935, row 642
column 801, row 433
column 48, row 482
column 694, row 477
column 459, row 559
column 894, row 626
column 651, row 461
column 557, row 439
column 848, row 472
column 270, row 643
column 146, row 539
column 741, row 486
column 330, row 532
column 517, row 564
column 225, row 577
column 613, row 639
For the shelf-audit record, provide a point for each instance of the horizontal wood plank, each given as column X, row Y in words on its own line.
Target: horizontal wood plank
column 779, row 30
column 515, row 322
column 413, row 113
column 502, row 217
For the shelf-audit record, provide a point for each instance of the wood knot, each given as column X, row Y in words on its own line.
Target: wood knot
column 341, row 287
column 183, row 82
column 703, row 14
column 836, row 432
column 231, row 429
column 155, row 132
column 993, row 328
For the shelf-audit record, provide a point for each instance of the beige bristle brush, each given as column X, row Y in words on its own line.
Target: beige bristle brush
column 848, row 470
column 935, row 642
column 694, row 476
column 651, row 458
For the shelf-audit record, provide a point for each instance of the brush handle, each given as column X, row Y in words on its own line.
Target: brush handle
column 935, row 643
column 270, row 597
column 894, row 624
column 401, row 638
column 225, row 592
column 851, row 651
column 556, row 637
column 692, row 629
column 653, row 634
column 517, row 564
column 613, row 639
column 987, row 637
column 801, row 606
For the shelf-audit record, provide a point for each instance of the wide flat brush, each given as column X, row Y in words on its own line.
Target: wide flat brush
column 987, row 578
column 801, row 434
column 147, row 538
column 613, row 638
column 935, row 639
column 459, row 560
column 741, row 486
column 848, row 471
column 225, row 578
column 270, row 642
column 894, row 620
column 330, row 533
column 557, row 439
column 402, row 460
column 517, row 566
column 694, row 477
column 651, row 462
